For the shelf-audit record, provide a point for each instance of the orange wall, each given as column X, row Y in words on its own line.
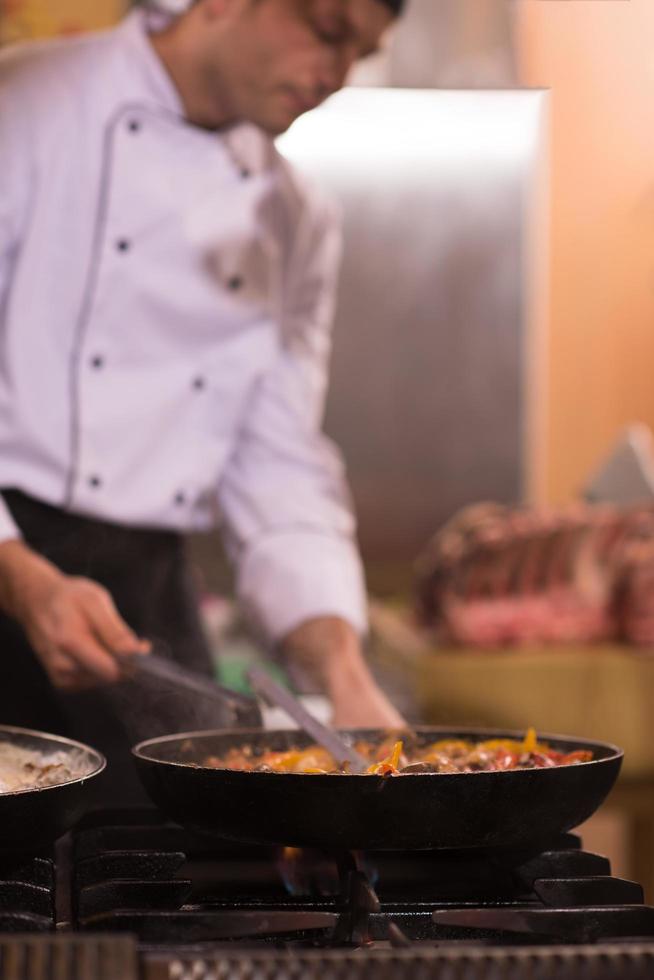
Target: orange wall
column 45, row 18
column 598, row 59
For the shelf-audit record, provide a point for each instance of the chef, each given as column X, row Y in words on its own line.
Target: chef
column 166, row 291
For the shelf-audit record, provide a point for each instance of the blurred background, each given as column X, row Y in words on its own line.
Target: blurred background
column 593, row 58
column 586, row 316
column 495, row 325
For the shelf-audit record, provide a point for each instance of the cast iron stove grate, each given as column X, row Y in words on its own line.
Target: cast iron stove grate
column 204, row 909
column 166, row 886
column 27, row 894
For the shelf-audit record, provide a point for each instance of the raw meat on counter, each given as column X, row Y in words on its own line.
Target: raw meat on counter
column 497, row 576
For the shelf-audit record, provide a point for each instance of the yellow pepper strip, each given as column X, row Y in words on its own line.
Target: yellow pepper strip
column 448, row 745
column 315, row 758
column 388, row 765
column 530, row 743
column 282, row 761
column 507, row 744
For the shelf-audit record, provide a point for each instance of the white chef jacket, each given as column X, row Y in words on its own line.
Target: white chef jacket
column 166, row 295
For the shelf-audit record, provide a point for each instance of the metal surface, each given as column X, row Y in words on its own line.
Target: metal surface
column 32, row 819
column 341, row 749
column 564, row 925
column 598, row 890
column 435, row 395
column 448, row 810
column 68, row 958
column 601, row 962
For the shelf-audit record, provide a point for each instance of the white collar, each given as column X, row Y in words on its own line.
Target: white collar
column 156, row 83
column 252, row 149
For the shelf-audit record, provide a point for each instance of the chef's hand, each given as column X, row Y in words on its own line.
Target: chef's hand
column 328, row 649
column 71, row 623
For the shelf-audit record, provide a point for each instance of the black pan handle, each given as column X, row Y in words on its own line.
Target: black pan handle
column 244, row 710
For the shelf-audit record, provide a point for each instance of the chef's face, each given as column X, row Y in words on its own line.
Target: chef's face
column 271, row 60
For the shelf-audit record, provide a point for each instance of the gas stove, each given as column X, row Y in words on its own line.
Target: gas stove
column 128, row 895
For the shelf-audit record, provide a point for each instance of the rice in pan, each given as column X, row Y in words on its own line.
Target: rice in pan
column 22, row 769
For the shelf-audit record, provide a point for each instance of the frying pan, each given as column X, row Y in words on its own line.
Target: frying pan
column 30, row 819
column 448, row 810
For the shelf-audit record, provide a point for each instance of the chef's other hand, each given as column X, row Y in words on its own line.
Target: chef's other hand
column 328, row 649
column 71, row 623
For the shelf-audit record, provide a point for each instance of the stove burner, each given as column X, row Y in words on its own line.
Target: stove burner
column 354, row 926
column 306, row 871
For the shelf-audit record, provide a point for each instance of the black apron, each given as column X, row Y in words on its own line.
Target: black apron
column 148, row 577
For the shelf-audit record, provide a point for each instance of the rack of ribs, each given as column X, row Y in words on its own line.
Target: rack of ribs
column 499, row 576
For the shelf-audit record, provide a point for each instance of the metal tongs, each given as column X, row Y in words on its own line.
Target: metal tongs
column 342, row 751
column 245, row 711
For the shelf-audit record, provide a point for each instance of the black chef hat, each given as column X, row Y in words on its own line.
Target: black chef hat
column 395, row 5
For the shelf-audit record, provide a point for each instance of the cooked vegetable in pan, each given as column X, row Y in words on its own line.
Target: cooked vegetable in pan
column 393, row 757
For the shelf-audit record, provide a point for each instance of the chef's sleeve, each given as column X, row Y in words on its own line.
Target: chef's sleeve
column 284, row 497
column 15, row 175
